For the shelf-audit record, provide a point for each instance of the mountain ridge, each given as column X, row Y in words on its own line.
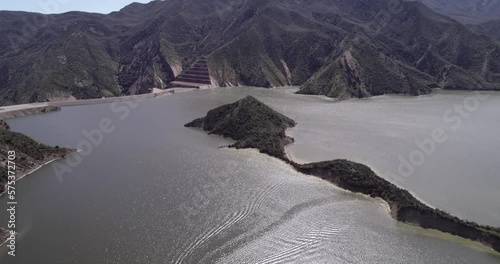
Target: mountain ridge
column 490, row 29
column 334, row 48
column 466, row 11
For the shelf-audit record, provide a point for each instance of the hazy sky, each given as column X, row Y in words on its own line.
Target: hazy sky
column 61, row 6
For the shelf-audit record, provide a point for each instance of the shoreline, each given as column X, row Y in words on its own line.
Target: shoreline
column 291, row 157
column 392, row 211
column 392, row 206
column 402, row 208
column 14, row 111
column 6, row 110
column 265, row 130
column 34, row 169
column 386, row 206
column 294, row 159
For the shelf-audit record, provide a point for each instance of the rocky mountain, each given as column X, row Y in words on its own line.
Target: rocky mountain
column 466, row 11
column 490, row 29
column 337, row 48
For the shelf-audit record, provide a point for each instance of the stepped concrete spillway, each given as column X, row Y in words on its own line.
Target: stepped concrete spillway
column 195, row 77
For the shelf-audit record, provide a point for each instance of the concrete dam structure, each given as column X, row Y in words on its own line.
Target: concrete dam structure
column 195, row 77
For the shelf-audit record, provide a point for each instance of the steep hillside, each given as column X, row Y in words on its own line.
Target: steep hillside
column 250, row 122
column 466, row 11
column 413, row 51
column 255, row 125
column 336, row 48
column 490, row 29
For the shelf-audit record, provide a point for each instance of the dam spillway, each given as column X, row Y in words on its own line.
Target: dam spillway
column 194, row 77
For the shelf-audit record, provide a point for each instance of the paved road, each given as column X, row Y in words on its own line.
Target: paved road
column 156, row 93
column 21, row 107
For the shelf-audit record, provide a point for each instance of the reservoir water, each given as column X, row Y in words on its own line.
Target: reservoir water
column 155, row 192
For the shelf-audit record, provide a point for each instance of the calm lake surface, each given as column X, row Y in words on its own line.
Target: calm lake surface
column 156, row 192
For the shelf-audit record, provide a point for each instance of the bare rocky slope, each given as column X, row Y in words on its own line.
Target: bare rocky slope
column 337, row 48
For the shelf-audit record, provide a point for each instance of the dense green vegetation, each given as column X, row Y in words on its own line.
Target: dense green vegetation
column 490, row 29
column 251, row 123
column 255, row 125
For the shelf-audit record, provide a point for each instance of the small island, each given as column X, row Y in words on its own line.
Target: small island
column 255, row 125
